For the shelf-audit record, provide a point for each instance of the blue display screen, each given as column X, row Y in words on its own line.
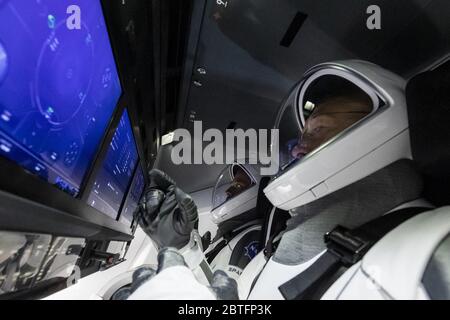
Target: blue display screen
column 116, row 172
column 58, row 87
column 134, row 195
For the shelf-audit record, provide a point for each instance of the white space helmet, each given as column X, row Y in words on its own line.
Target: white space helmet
column 376, row 138
column 235, row 192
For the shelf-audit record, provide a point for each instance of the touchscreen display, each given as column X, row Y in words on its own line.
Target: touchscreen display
column 58, row 87
column 115, row 175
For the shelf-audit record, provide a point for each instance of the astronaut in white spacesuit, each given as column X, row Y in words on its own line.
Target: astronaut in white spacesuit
column 246, row 220
column 350, row 166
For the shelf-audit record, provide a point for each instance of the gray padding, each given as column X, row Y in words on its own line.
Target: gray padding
column 350, row 207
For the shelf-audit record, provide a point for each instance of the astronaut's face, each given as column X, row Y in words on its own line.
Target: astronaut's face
column 240, row 183
column 327, row 120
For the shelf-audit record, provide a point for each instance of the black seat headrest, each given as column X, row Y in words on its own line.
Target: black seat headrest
column 428, row 98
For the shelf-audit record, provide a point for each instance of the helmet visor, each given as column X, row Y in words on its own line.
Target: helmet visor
column 232, row 181
column 324, row 108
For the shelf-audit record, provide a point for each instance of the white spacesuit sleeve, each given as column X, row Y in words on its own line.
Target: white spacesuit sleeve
column 173, row 279
column 166, row 286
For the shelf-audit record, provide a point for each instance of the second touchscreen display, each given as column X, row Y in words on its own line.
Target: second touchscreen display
column 115, row 175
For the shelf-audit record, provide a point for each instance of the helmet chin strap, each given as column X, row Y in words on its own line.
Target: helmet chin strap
column 350, row 207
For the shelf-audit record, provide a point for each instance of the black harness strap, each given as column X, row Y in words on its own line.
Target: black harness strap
column 214, row 252
column 345, row 247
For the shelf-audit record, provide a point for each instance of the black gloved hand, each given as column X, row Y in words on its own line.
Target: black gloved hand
column 166, row 213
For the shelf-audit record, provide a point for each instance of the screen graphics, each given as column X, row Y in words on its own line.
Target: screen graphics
column 58, row 87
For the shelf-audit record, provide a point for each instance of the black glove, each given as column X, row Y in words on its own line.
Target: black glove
column 224, row 287
column 166, row 213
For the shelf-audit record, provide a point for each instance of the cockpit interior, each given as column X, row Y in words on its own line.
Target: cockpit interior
column 347, row 102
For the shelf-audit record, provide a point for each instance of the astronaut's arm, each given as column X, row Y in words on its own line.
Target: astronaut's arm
column 164, row 282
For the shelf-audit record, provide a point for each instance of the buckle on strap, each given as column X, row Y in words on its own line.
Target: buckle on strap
column 346, row 245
